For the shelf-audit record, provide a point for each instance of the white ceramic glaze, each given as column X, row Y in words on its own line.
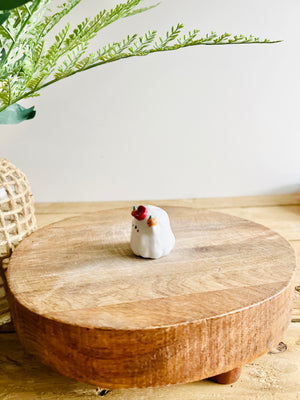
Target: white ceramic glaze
column 151, row 233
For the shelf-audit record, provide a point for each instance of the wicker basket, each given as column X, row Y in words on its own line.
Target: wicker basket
column 17, row 220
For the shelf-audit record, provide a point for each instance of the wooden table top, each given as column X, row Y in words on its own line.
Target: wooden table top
column 82, row 271
column 228, row 280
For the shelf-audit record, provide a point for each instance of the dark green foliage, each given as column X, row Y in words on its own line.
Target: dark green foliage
column 3, row 17
column 10, row 4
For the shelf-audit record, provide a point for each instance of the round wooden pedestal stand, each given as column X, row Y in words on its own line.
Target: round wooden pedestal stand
column 84, row 304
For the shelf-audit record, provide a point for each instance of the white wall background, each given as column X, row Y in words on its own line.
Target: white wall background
column 199, row 122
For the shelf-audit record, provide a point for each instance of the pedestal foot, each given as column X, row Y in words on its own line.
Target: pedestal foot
column 228, row 377
column 102, row 392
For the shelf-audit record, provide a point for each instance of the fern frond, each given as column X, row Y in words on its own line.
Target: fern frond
column 120, row 47
column 6, row 34
column 49, row 22
column 55, row 18
column 18, row 25
column 5, row 93
column 20, row 14
column 37, row 53
column 27, row 64
column 53, row 53
column 115, row 49
column 68, row 65
column 187, row 39
column 143, row 42
column 170, row 37
column 79, row 34
column 142, row 9
column 89, row 28
column 4, row 73
column 85, row 62
column 207, row 39
column 32, row 58
column 34, row 83
column 35, row 94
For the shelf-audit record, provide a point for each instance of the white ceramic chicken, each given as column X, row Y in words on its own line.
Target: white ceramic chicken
column 151, row 234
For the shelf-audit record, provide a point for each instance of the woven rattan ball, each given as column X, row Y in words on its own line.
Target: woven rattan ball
column 17, row 218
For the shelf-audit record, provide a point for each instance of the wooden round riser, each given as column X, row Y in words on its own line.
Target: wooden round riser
column 89, row 308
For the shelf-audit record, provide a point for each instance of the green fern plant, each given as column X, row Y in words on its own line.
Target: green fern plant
column 28, row 65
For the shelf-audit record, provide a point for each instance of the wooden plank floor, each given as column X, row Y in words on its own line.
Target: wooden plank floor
column 273, row 376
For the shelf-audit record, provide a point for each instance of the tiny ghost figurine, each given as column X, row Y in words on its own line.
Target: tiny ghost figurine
column 151, row 234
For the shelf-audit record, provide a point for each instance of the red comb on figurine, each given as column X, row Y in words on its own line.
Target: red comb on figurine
column 140, row 213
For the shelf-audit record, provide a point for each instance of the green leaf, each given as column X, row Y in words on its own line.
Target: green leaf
column 10, row 4
column 15, row 114
column 3, row 17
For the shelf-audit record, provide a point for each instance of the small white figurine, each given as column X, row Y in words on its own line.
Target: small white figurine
column 151, row 234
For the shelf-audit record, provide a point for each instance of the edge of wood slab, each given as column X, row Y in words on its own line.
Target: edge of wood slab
column 115, row 357
column 156, row 356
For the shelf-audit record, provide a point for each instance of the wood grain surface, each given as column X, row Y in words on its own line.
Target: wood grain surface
column 278, row 212
column 89, row 308
column 273, row 376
